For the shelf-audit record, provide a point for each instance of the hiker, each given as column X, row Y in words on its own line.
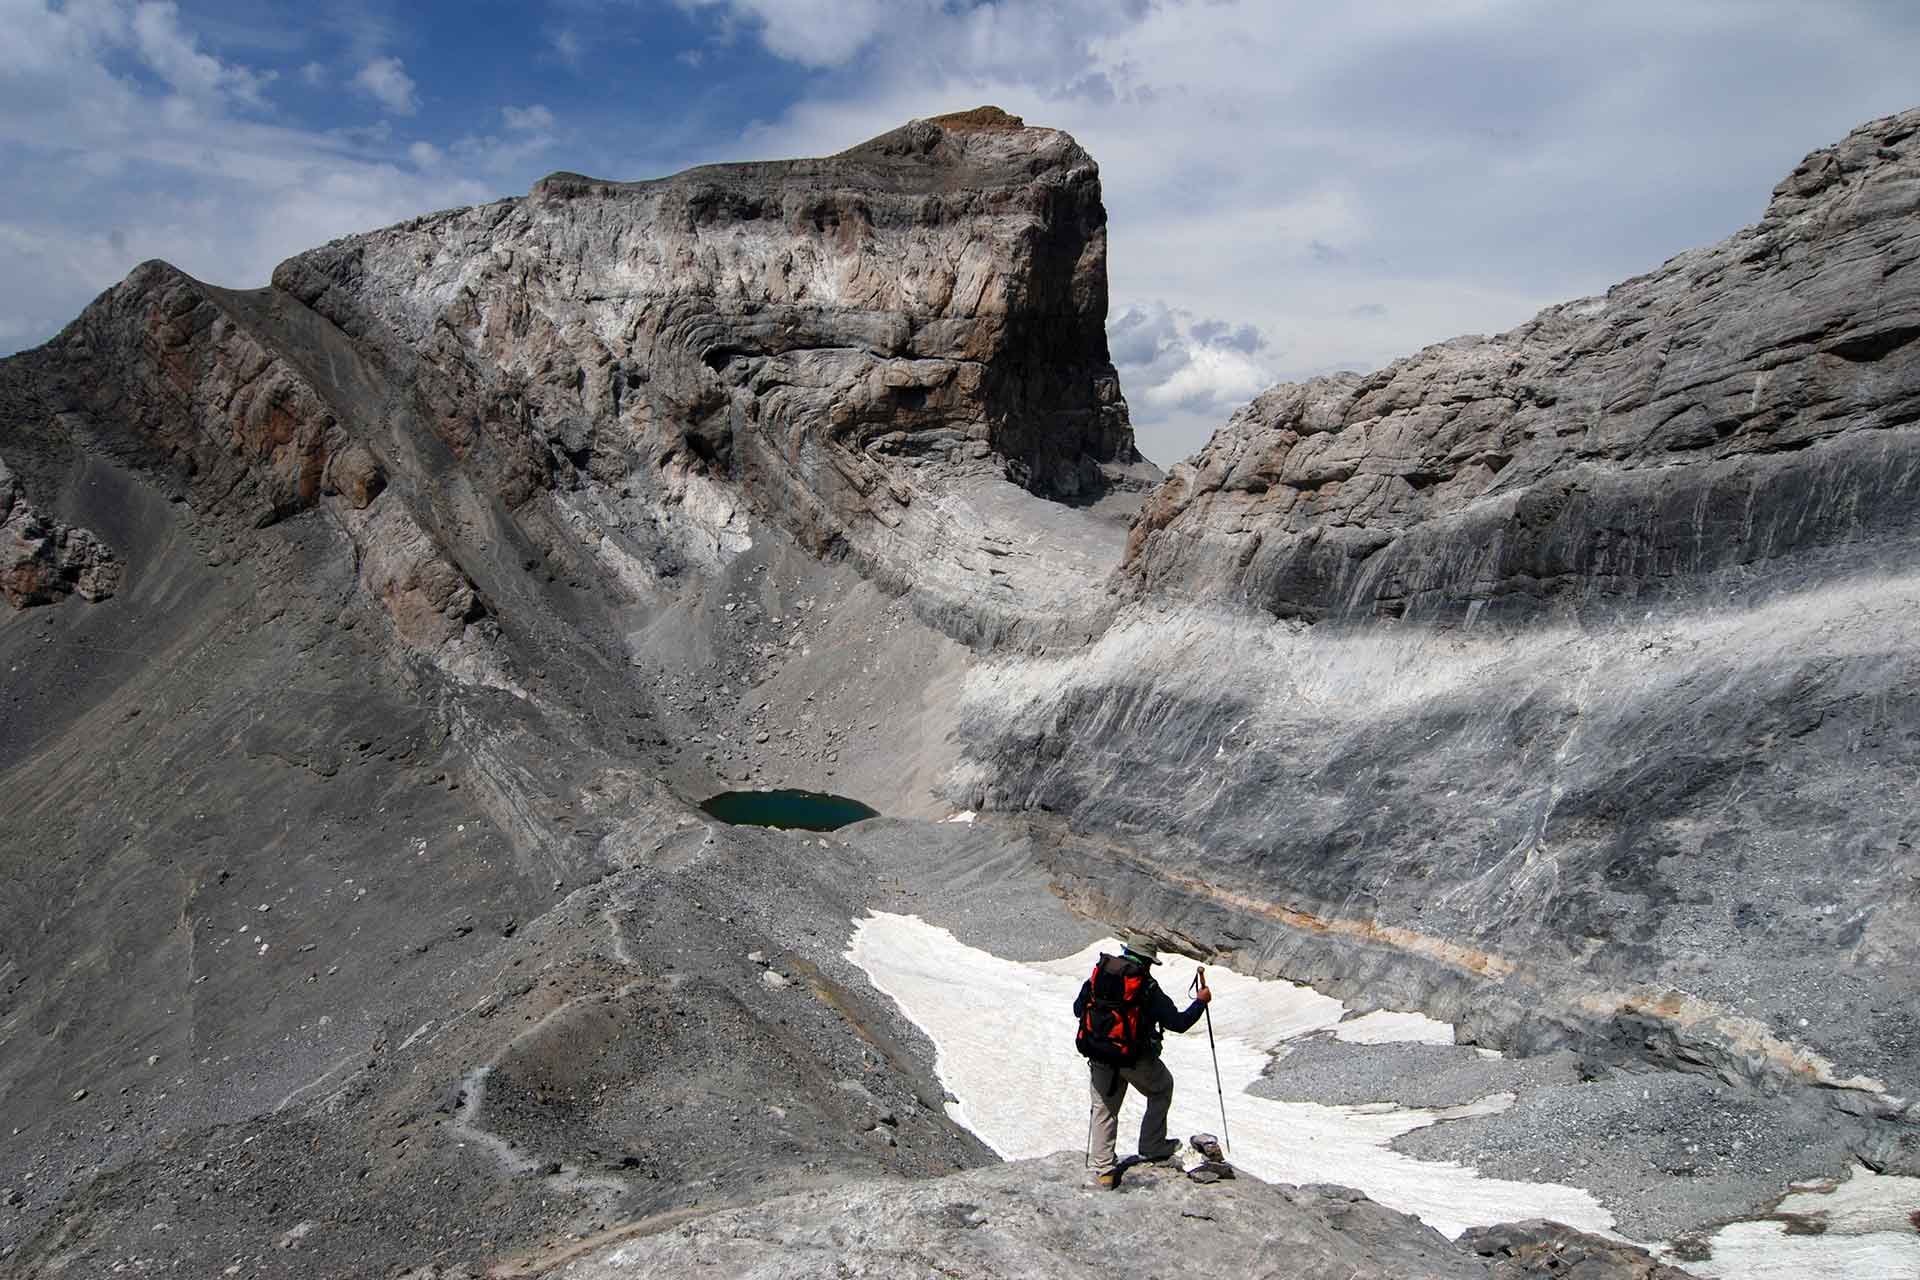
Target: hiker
column 1122, row 1011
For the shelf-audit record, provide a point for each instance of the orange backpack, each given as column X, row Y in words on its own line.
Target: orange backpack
column 1114, row 1029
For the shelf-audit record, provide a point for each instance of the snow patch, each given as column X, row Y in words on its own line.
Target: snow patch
column 1868, row 1235
column 1391, row 1026
column 1866, row 1202
column 1764, row 1251
column 1003, row 1039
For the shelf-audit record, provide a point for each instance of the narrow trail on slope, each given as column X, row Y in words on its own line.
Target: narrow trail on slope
column 473, row 1084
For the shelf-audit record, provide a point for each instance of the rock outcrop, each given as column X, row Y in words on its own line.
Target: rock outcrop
column 1525, row 1249
column 1746, row 417
column 1040, row 1218
column 42, row 559
column 836, row 342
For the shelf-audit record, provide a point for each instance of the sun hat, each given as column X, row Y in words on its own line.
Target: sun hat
column 1145, row 952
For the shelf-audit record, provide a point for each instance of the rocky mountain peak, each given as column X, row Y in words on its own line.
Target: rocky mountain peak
column 822, row 342
column 987, row 119
column 1870, row 154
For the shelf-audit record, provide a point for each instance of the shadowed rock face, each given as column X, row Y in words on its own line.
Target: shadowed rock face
column 1745, row 413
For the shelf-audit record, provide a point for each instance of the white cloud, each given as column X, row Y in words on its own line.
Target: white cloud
column 1174, row 365
column 172, row 55
column 489, row 154
column 385, row 79
column 566, row 43
column 819, row 33
column 123, row 141
column 935, row 40
column 1213, row 378
column 533, row 119
column 314, row 74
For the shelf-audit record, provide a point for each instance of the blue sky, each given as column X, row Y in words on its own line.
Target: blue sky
column 1293, row 187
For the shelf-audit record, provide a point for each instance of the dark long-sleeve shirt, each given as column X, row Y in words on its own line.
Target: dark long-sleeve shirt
column 1159, row 1008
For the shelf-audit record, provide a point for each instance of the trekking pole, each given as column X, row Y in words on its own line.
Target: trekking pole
column 1226, row 1136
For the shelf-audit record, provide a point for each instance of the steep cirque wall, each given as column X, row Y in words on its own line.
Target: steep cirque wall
column 1725, row 415
column 837, row 340
column 1561, row 682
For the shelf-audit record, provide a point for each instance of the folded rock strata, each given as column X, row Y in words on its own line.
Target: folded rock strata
column 838, row 341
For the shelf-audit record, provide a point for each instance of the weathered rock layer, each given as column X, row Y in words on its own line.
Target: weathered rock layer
column 1039, row 1218
column 1586, row 715
column 1744, row 414
column 833, row 340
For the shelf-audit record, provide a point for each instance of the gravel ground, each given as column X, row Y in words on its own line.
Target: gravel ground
column 1322, row 1069
column 1666, row 1152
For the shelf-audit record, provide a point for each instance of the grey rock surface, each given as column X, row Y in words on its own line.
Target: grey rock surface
column 1333, row 1072
column 359, row 915
column 1744, row 415
column 1043, row 1218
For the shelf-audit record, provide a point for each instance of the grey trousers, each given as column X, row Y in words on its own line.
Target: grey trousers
column 1109, row 1088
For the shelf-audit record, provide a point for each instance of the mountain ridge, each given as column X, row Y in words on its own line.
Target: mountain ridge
column 359, row 821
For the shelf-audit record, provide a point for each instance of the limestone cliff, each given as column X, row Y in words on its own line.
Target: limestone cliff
column 1560, row 681
column 837, row 341
column 1735, row 415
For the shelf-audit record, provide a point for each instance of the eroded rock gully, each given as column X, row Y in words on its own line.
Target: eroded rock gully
column 359, row 916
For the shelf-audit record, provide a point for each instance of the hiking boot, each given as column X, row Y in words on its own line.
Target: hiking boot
column 1109, row 1180
column 1163, row 1157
